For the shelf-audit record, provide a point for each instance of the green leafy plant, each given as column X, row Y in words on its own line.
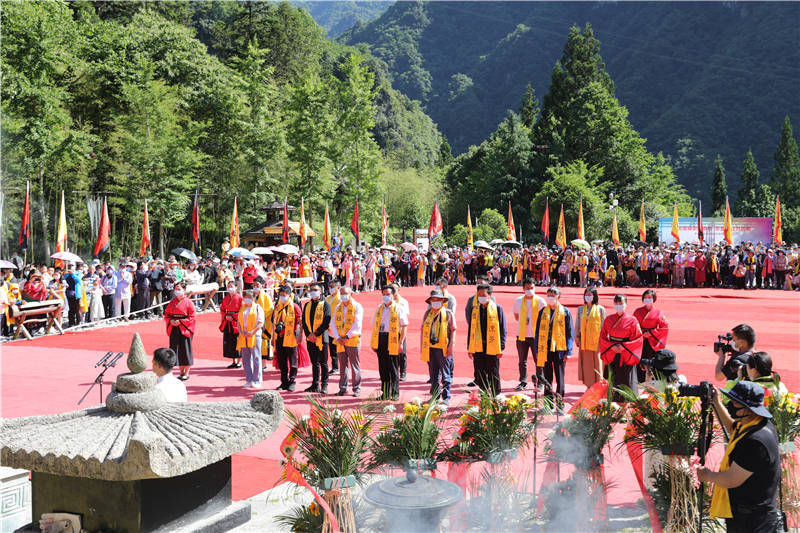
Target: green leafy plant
column 411, row 436
column 663, row 421
column 302, row 519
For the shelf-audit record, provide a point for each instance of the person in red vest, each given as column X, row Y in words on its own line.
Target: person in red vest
column 179, row 316
column 249, row 274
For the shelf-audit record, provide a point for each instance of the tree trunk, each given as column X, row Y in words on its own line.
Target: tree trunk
column 161, row 240
column 43, row 213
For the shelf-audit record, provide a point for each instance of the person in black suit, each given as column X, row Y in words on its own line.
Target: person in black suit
column 315, row 327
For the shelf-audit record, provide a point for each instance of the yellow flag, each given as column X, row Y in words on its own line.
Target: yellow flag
column 234, row 235
column 580, row 221
column 302, row 222
column 511, row 234
column 778, row 238
column 727, row 225
column 469, row 230
column 642, row 228
column 676, row 234
column 615, row 230
column 61, row 238
column 561, row 234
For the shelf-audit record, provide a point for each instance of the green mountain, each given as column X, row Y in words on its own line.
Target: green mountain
column 699, row 79
column 338, row 17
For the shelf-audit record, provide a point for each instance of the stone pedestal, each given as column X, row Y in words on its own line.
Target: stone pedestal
column 15, row 498
column 197, row 501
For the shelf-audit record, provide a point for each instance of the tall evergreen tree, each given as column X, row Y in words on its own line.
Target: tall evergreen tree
column 786, row 173
column 719, row 188
column 749, row 189
column 529, row 108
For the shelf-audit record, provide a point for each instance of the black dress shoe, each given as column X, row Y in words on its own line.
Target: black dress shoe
column 311, row 389
column 395, row 397
column 333, row 371
column 324, row 389
column 341, row 393
column 184, row 377
column 232, row 365
column 521, row 386
column 280, row 387
column 238, row 365
column 403, row 376
column 470, row 384
column 290, row 388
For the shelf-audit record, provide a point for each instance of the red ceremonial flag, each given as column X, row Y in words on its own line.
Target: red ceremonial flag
column 25, row 227
column 233, row 238
column 326, row 230
column 435, row 227
column 354, row 226
column 285, row 225
column 103, row 232
column 546, row 220
column 700, row 233
column 511, row 234
column 196, row 218
column 778, row 233
column 145, row 233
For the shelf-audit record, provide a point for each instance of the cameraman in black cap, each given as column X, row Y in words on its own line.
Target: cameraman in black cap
column 661, row 370
column 743, row 338
column 746, row 486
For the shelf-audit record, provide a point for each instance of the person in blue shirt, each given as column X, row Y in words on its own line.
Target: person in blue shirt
column 74, row 291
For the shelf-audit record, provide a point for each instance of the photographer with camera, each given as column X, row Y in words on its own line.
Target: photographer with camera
column 758, row 369
column 739, row 344
column 746, row 486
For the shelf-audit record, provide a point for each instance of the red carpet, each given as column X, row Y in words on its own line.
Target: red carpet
column 50, row 374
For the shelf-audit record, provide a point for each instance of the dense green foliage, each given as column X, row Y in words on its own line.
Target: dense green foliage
column 341, row 15
column 699, row 78
column 151, row 100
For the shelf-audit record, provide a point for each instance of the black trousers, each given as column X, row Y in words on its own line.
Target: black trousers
column 388, row 367
column 287, row 362
column 331, row 347
column 755, row 521
column 623, row 375
column 319, row 364
column 554, row 372
column 522, row 352
column 108, row 305
column 142, row 301
column 403, row 358
column 74, row 314
column 488, row 368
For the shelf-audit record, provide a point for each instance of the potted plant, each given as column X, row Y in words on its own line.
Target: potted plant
column 785, row 410
column 411, row 440
column 332, row 448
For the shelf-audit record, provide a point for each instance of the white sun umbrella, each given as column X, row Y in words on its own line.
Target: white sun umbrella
column 287, row 249
column 495, row 242
column 241, row 252
column 67, row 256
column 7, row 264
column 261, row 250
column 482, row 244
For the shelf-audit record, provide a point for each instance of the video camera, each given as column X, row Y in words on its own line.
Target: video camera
column 724, row 344
column 702, row 391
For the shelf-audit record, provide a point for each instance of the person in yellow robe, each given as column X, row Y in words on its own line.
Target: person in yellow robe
column 250, row 321
column 589, row 321
column 554, row 338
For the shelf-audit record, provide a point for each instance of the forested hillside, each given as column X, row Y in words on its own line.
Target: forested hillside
column 699, row 79
column 341, row 15
column 153, row 101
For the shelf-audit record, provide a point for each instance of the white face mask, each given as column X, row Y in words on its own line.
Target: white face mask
column 178, row 293
column 436, row 305
column 345, row 297
column 551, row 300
column 483, row 300
column 530, row 292
column 619, row 308
column 647, row 301
column 247, row 301
column 387, row 299
column 313, row 294
column 283, row 298
column 588, row 298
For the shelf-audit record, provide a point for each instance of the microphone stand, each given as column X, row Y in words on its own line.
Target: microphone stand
column 107, row 361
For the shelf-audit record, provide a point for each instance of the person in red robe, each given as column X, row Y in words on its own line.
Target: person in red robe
column 654, row 330
column 700, row 265
column 34, row 289
column 229, row 325
column 621, row 346
column 179, row 316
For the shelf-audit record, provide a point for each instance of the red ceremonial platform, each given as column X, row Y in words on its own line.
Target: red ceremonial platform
column 50, row 374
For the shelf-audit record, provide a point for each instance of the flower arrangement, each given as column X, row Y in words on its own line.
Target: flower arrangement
column 785, row 410
column 664, row 421
column 410, row 437
column 578, row 439
column 493, row 425
column 303, row 519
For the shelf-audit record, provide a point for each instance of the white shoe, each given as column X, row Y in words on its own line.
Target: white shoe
column 248, row 385
column 257, row 385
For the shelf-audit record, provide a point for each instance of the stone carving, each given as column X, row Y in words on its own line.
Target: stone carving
column 137, row 357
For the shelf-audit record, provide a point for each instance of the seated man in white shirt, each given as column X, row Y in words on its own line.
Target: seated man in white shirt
column 164, row 360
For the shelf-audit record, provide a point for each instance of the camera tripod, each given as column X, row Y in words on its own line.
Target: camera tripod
column 109, row 360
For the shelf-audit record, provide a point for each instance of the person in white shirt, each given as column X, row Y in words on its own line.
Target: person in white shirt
column 403, row 303
column 346, row 331
column 387, row 341
column 525, row 334
column 164, row 360
column 250, row 321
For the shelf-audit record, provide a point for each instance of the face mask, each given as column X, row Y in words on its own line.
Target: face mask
column 283, row 298
column 436, row 305
column 619, row 308
column 647, row 301
column 529, row 292
column 313, row 294
column 231, row 289
column 735, row 412
column 551, row 300
column 588, row 298
column 247, row 301
column 387, row 299
column 483, row 300
column 345, row 297
column 178, row 293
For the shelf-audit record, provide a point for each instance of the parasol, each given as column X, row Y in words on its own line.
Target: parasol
column 67, row 256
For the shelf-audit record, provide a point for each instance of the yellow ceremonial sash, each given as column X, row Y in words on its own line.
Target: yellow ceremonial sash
column 427, row 326
column 523, row 317
column 266, row 305
column 344, row 323
column 319, row 314
column 285, row 313
column 591, row 324
column 247, row 341
column 558, row 340
column 394, row 329
column 421, row 269
column 720, row 499
column 492, row 330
